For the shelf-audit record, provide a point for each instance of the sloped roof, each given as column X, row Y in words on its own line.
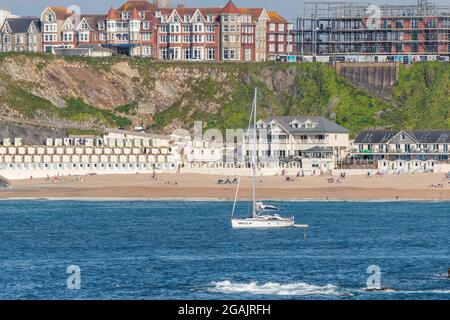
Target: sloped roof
column 135, row 15
column 93, row 19
column 319, row 149
column 275, row 17
column 21, row 25
column 139, row 5
column 61, row 12
column 254, row 12
column 322, row 124
column 384, row 136
column 112, row 14
column 230, row 8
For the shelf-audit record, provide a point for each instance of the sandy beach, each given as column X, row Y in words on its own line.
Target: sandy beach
column 194, row 186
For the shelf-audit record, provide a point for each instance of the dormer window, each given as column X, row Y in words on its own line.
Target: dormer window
column 84, row 25
column 158, row 13
column 125, row 15
column 295, row 124
column 309, row 124
column 142, row 14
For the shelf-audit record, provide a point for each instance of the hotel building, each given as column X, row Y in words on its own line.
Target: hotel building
column 144, row 29
column 315, row 143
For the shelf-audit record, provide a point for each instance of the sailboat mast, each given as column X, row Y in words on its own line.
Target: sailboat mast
column 255, row 153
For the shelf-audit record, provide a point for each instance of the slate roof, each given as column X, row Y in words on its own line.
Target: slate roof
column 421, row 137
column 322, row 124
column 318, row 149
column 21, row 25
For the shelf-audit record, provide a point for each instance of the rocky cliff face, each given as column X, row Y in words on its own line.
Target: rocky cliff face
column 94, row 94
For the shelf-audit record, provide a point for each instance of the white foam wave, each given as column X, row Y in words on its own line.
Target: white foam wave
column 273, row 288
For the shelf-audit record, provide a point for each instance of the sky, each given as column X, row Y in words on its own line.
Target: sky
column 290, row 9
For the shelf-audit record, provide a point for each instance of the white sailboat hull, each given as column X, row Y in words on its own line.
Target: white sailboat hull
column 256, row 223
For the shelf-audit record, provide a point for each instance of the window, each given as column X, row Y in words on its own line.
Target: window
column 248, row 54
column 146, row 36
column 225, row 54
column 197, row 53
column 198, row 28
column 210, row 53
column 68, row 36
column 84, row 26
column 272, row 27
column 175, row 28
column 233, row 55
column 146, row 51
column 164, row 54
column 83, row 37
column 50, row 28
column 146, row 25
column 50, row 18
column 187, row 54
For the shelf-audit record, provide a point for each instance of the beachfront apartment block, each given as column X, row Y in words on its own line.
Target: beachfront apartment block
column 314, row 143
column 81, row 155
column 407, row 151
column 144, row 29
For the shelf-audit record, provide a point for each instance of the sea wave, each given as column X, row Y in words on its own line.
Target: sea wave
column 272, row 288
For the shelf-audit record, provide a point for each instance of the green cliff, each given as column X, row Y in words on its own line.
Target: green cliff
column 94, row 94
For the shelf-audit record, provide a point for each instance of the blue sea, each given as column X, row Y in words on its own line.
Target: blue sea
column 187, row 250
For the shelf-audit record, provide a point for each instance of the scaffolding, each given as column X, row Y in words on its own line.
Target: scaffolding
column 423, row 8
column 361, row 28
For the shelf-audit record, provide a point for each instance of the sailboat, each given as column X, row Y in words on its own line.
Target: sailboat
column 258, row 218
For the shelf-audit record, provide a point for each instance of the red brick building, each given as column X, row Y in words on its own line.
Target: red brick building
column 141, row 28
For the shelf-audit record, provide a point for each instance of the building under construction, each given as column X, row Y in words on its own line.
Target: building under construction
column 367, row 32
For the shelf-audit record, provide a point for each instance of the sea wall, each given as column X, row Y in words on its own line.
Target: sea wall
column 377, row 78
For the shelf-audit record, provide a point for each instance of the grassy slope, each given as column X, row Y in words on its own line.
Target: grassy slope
column 423, row 96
